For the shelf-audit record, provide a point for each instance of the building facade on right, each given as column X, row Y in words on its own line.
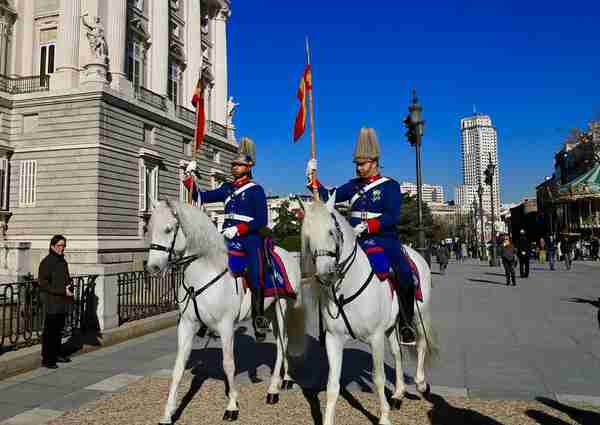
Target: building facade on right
column 479, row 142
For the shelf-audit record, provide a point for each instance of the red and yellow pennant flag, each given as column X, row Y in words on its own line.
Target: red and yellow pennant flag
column 305, row 86
column 198, row 102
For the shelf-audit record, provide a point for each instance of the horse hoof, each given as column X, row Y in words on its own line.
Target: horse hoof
column 395, row 404
column 287, row 384
column 272, row 398
column 424, row 391
column 231, row 415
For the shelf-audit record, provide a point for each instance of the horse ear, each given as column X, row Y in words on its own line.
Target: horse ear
column 171, row 205
column 155, row 204
column 331, row 202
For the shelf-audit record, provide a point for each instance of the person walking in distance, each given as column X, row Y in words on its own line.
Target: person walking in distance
column 524, row 249
column 56, row 294
column 443, row 254
column 551, row 252
column 565, row 247
column 542, row 248
column 509, row 261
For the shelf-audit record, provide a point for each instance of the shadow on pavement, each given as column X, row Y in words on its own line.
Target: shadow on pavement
column 495, row 274
column 487, row 281
column 442, row 413
column 579, row 415
column 595, row 303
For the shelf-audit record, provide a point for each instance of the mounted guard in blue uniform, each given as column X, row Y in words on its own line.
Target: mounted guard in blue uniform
column 246, row 215
column 375, row 203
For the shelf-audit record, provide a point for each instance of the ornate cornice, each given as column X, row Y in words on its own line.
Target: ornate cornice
column 8, row 15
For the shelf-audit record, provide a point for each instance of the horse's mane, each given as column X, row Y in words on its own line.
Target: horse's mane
column 202, row 237
column 316, row 218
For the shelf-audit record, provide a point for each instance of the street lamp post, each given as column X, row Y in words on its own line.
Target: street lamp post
column 482, row 253
column 489, row 179
column 415, row 125
column 473, row 239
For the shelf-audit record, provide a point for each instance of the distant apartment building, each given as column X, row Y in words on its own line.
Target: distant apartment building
column 432, row 194
column 479, row 143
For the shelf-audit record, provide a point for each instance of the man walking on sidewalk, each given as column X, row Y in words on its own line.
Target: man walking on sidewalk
column 524, row 248
column 509, row 260
column 56, row 295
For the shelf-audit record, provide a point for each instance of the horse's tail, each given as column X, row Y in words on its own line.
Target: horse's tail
column 427, row 335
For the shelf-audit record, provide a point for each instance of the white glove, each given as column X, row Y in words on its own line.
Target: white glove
column 360, row 228
column 311, row 167
column 230, row 232
column 191, row 167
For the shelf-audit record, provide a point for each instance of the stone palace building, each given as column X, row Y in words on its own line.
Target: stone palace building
column 96, row 121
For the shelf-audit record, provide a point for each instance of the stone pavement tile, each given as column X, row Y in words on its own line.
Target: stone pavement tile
column 497, row 393
column 449, row 391
column 108, row 364
column 578, row 399
column 73, row 400
column 29, row 395
column 8, row 410
column 33, row 417
column 148, row 368
column 71, row 378
column 24, row 377
column 162, row 373
column 114, row 383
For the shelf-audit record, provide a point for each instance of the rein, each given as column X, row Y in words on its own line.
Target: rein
column 190, row 292
column 342, row 268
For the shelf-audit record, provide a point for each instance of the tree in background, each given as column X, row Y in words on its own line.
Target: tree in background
column 409, row 220
column 286, row 232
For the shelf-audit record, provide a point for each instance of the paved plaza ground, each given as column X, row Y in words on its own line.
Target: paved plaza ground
column 524, row 354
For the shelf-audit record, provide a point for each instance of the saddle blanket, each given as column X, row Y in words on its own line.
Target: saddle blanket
column 276, row 281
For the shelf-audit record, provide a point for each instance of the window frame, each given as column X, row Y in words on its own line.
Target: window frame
column 28, row 183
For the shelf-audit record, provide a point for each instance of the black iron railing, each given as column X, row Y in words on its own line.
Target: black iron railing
column 185, row 114
column 150, row 98
column 218, row 129
column 19, row 85
column 22, row 313
column 142, row 295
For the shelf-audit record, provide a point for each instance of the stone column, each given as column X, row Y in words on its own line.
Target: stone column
column 193, row 51
column 67, row 49
column 219, row 93
column 159, row 52
column 21, row 56
column 116, row 33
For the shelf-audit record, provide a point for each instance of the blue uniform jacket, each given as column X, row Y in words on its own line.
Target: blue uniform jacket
column 250, row 203
column 384, row 199
column 245, row 250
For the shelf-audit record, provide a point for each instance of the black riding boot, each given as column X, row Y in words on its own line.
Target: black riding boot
column 259, row 321
column 407, row 312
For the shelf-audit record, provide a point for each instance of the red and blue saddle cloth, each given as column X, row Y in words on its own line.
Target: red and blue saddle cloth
column 396, row 258
column 271, row 275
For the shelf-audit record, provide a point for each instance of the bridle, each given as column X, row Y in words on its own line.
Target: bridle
column 171, row 249
column 184, row 261
column 341, row 267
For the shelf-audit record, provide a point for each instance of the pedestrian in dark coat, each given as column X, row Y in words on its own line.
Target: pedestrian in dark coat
column 443, row 254
column 551, row 252
column 509, row 261
column 56, row 295
column 524, row 249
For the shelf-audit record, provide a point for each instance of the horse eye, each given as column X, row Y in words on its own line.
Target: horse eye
column 168, row 229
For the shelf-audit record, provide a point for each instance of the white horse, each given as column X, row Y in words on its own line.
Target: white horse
column 343, row 269
column 220, row 300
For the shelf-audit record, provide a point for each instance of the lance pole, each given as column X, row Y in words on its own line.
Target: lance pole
column 313, row 142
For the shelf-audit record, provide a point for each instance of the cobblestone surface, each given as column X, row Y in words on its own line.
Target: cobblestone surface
column 143, row 401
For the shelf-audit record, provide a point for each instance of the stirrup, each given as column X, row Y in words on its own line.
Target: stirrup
column 261, row 323
column 407, row 336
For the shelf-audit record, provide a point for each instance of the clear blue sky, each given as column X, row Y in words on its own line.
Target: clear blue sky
column 533, row 66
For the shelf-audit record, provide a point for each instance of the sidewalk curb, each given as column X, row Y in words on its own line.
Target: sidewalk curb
column 26, row 359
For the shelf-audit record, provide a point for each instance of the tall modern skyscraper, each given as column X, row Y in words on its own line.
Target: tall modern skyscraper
column 479, row 144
